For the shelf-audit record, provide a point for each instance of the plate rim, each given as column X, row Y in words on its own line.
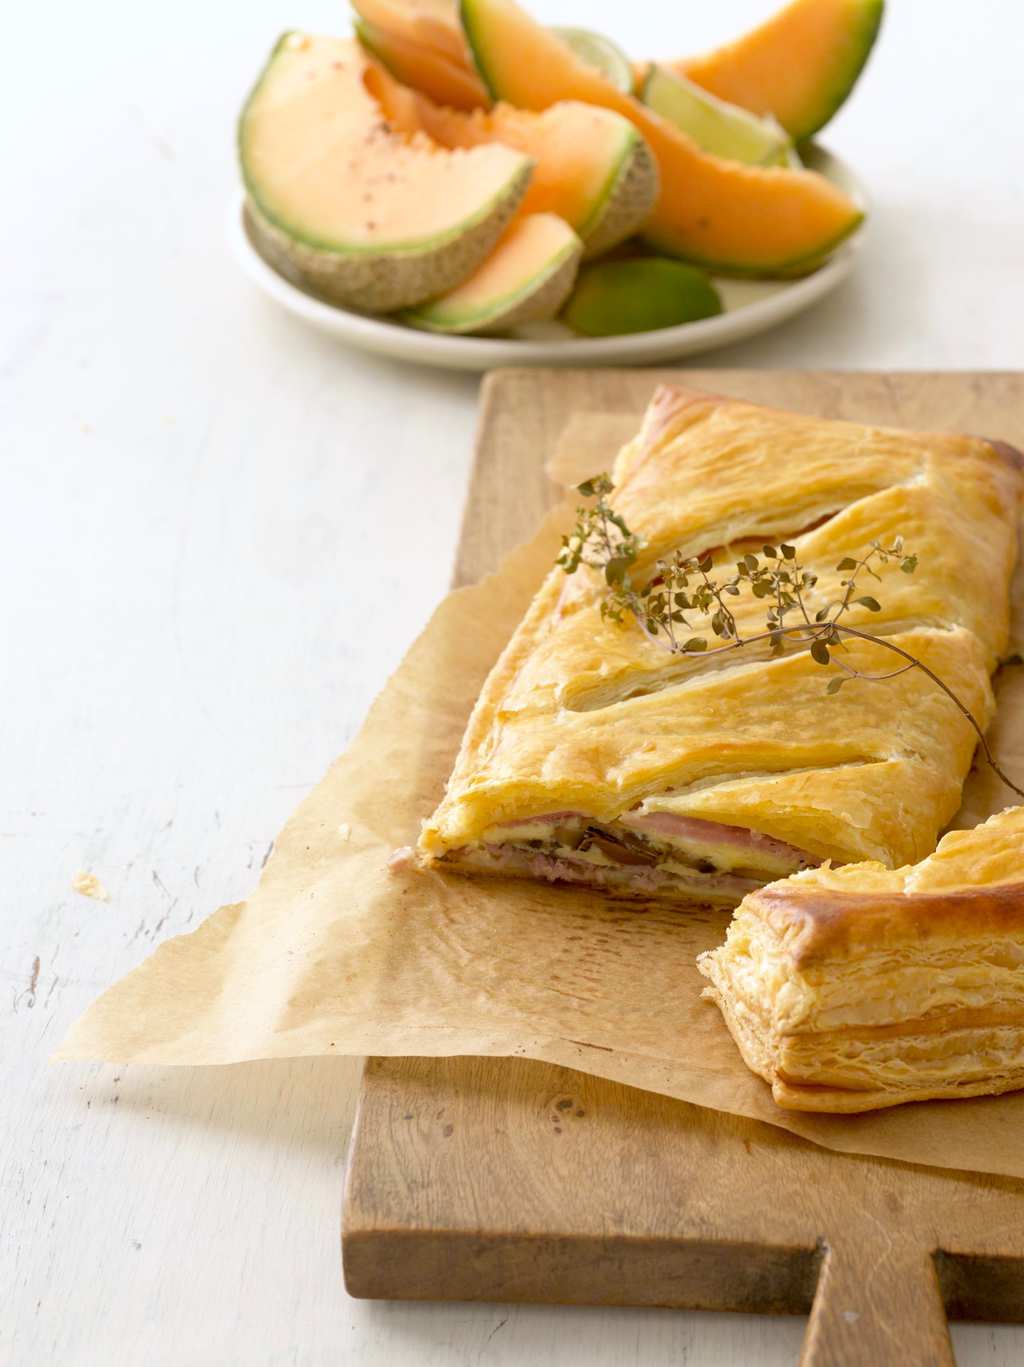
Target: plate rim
column 383, row 336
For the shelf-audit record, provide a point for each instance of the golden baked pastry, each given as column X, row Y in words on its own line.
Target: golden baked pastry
column 860, row 987
column 596, row 756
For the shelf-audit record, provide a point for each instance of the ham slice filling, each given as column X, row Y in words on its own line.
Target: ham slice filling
column 643, row 854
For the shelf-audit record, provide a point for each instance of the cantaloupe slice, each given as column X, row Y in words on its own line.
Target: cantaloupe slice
column 421, row 43
column 437, row 75
column 527, row 278
column 800, row 65
column 737, row 219
column 345, row 205
column 591, row 166
column 432, row 25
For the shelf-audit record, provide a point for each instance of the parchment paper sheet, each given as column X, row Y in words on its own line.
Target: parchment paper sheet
column 335, row 955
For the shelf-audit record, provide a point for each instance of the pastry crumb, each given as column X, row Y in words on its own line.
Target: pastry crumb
column 88, row 885
column 402, row 859
column 345, row 831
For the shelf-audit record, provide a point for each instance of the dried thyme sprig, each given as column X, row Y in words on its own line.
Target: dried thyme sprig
column 600, row 537
column 683, row 587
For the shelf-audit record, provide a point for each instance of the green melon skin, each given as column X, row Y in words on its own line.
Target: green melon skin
column 379, row 282
column 534, row 300
column 643, row 295
column 628, row 198
column 794, row 269
column 831, row 97
column 817, row 89
column 379, row 278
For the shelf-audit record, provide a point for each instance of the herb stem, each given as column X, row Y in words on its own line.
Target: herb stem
column 664, row 599
column 965, row 711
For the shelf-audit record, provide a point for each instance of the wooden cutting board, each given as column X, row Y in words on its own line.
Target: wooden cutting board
column 501, row 1179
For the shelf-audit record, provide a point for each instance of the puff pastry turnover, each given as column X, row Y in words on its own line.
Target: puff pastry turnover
column 595, row 756
column 860, row 987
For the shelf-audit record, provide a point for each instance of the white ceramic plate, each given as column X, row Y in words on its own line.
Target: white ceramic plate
column 751, row 306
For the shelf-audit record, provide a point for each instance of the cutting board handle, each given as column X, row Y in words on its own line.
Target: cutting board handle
column 889, row 1314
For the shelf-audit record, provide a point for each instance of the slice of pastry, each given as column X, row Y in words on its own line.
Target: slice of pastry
column 855, row 988
column 595, row 756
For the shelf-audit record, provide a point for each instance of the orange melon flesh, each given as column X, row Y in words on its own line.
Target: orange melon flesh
column 799, row 66
column 576, row 148
column 528, row 276
column 730, row 217
column 312, row 135
column 427, row 24
column 434, row 73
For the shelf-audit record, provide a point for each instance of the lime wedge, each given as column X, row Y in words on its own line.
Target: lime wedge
column 600, row 52
column 715, row 125
column 639, row 295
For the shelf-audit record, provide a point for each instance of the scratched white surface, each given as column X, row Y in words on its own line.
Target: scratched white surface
column 196, row 497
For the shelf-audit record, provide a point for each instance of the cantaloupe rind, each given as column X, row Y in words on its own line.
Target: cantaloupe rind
column 526, row 279
column 627, row 201
column 800, row 65
column 346, row 207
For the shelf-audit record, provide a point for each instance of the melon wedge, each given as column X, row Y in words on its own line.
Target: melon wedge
column 735, row 219
column 434, row 73
column 591, row 166
column 344, row 205
column 421, row 43
column 800, row 65
column 429, row 24
column 527, row 278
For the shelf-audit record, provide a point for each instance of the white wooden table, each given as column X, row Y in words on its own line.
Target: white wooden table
column 195, row 496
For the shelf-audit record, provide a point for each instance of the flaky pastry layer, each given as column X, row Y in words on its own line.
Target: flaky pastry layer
column 862, row 987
